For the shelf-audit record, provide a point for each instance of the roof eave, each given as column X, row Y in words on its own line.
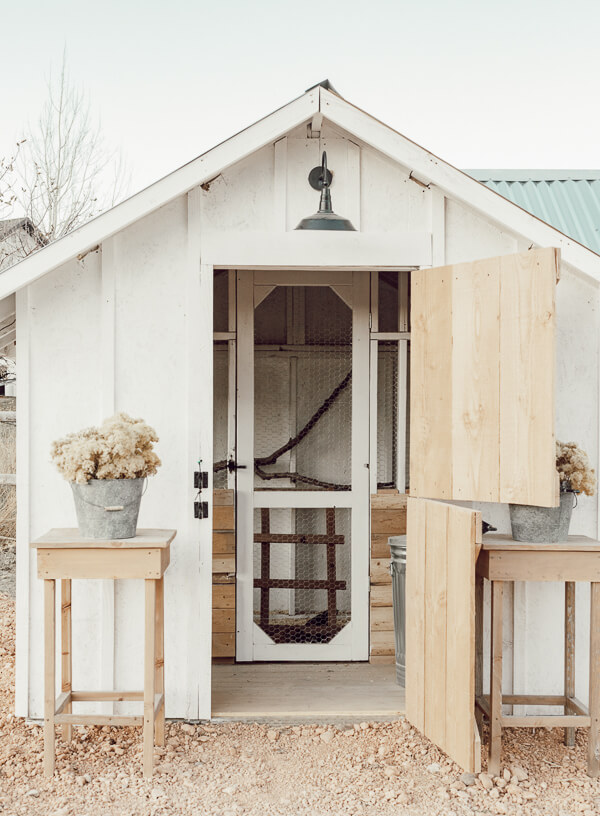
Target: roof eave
column 179, row 182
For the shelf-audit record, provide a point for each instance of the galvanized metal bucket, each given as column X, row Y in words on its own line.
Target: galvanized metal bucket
column 108, row 508
column 542, row 524
column 398, row 570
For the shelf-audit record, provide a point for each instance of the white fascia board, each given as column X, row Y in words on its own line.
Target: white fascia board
column 430, row 169
column 181, row 181
column 308, row 249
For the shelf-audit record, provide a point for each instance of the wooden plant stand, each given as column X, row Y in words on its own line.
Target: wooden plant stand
column 502, row 560
column 64, row 555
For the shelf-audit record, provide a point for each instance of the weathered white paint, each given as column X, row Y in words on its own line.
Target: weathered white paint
column 130, row 329
column 59, row 390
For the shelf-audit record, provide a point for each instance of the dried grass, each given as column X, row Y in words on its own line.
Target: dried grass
column 8, row 513
column 8, row 460
column 8, row 494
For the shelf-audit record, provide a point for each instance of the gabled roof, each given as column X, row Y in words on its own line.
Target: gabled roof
column 319, row 102
column 567, row 199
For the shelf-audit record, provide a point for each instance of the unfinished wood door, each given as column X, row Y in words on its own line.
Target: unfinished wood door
column 442, row 543
column 482, row 380
column 302, row 448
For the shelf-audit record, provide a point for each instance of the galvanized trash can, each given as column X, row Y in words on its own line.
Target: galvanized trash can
column 398, row 570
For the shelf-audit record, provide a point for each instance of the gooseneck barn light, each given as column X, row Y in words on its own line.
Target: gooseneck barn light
column 320, row 178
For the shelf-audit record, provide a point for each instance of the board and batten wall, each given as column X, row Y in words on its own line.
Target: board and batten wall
column 112, row 332
column 129, row 327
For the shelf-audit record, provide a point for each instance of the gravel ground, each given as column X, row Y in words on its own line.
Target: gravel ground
column 8, row 564
column 231, row 769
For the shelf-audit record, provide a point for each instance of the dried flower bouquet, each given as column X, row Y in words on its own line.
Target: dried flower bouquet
column 121, row 448
column 574, row 469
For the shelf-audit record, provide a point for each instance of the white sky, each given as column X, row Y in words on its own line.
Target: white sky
column 482, row 83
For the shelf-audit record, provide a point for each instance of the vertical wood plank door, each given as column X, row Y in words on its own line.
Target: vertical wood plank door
column 442, row 543
column 482, row 380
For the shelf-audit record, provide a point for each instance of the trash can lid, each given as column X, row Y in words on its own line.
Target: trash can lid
column 398, row 547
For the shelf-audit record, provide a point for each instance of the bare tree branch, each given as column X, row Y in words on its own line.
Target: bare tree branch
column 65, row 174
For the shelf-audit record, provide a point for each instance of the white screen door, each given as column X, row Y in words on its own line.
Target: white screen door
column 302, row 456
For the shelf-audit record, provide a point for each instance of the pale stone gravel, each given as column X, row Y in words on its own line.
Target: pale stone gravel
column 231, row 769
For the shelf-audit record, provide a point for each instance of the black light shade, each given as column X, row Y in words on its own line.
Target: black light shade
column 324, row 218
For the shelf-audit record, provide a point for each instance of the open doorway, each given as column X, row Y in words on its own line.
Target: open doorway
column 308, row 412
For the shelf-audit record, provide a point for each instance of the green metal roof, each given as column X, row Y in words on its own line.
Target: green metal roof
column 566, row 199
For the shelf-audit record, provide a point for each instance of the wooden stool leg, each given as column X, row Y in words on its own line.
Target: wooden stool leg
column 149, row 669
column 478, row 648
column 66, row 638
column 594, row 731
column 569, row 656
column 496, row 680
column 160, row 659
column 49, row 675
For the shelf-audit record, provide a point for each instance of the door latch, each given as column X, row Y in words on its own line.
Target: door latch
column 233, row 465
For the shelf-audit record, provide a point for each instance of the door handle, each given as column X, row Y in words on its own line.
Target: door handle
column 233, row 465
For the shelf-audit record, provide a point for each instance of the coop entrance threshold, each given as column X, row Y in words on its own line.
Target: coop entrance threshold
column 306, row 692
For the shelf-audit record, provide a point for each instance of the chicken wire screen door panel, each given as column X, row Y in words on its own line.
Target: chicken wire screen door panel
column 482, row 380
column 442, row 545
column 302, row 455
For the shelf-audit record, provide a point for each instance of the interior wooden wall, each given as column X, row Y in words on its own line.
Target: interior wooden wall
column 223, row 584
column 388, row 518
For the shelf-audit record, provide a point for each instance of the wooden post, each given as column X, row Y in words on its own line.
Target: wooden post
column 66, row 639
column 594, row 732
column 479, row 648
column 496, row 680
column 49, row 675
column 331, row 568
column 160, row 659
column 569, row 656
column 265, row 567
column 149, row 676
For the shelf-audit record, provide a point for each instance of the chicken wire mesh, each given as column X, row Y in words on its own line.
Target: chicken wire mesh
column 393, row 440
column 387, row 414
column 303, row 390
column 303, row 441
column 220, row 413
column 302, row 565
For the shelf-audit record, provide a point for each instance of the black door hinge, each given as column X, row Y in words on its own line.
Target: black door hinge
column 200, row 509
column 200, row 479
